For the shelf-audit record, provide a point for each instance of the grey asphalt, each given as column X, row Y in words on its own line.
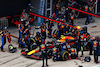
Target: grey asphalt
column 17, row 60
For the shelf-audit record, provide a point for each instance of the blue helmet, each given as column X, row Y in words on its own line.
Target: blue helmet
column 38, row 33
column 81, row 32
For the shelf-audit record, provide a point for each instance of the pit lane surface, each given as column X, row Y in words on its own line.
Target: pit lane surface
column 17, row 60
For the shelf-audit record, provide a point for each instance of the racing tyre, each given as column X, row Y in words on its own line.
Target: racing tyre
column 49, row 53
column 64, row 55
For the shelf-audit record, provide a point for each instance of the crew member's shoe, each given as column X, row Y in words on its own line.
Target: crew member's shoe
column 47, row 65
column 97, row 62
column 90, row 54
column 81, row 56
column 2, row 49
column 86, row 23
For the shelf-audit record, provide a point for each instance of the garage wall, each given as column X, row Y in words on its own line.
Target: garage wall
column 12, row 7
column 35, row 4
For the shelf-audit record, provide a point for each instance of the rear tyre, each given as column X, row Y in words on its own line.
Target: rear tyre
column 64, row 55
column 49, row 53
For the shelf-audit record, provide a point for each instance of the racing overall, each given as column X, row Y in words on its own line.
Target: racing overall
column 38, row 41
column 49, row 30
column 43, row 49
column 57, row 9
column 58, row 34
column 90, row 42
column 72, row 19
column 95, row 46
column 55, row 52
column 3, row 40
column 27, row 42
column 61, row 30
column 88, row 16
column 64, row 30
column 73, row 53
column 43, row 31
column 82, row 44
column 20, row 31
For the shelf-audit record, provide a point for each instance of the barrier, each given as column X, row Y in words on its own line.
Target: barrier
column 3, row 22
column 51, row 20
column 84, row 12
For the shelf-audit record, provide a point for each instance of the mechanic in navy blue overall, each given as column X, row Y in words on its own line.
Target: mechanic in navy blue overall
column 43, row 30
column 64, row 29
column 88, row 16
column 58, row 25
column 57, row 9
column 61, row 29
column 43, row 49
column 80, row 44
column 55, row 53
column 38, row 38
column 90, row 42
column 4, row 33
column 20, row 27
column 96, row 46
column 73, row 17
column 50, row 29
column 3, row 40
column 58, row 34
column 67, row 29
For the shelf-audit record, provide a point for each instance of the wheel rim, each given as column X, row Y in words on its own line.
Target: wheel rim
column 50, row 54
column 65, row 56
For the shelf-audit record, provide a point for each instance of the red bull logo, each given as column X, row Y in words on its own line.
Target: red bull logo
column 54, row 50
column 42, row 47
column 62, row 27
column 43, row 30
column 72, row 18
column 86, row 8
column 82, row 38
column 95, row 44
column 72, row 51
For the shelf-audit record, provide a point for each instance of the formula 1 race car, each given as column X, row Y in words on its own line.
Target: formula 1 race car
column 64, row 51
column 36, row 54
